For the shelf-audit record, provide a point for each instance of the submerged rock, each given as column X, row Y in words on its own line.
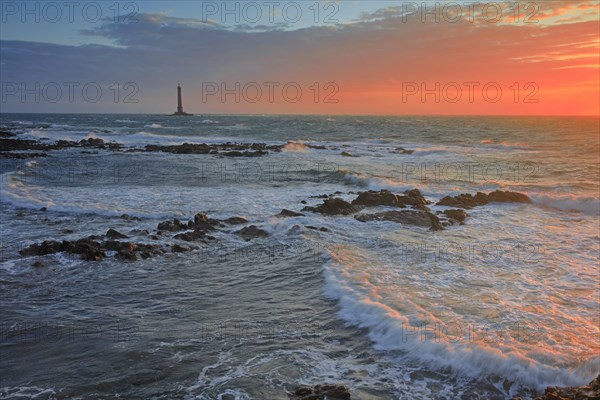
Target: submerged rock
column 252, row 232
column 288, row 213
column 321, row 392
column 334, row 206
column 407, row 217
column 236, row 220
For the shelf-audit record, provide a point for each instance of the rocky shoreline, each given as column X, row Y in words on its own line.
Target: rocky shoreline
column 11, row 146
column 409, row 208
column 199, row 228
column 590, row 391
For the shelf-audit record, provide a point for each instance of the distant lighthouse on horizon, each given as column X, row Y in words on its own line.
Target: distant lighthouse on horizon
column 179, row 103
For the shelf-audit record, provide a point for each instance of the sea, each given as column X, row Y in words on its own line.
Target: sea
column 501, row 306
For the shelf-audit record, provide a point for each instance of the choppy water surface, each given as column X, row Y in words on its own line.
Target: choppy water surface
column 506, row 303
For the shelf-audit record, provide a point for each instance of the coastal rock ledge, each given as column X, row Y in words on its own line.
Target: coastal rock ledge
column 321, row 392
column 590, row 391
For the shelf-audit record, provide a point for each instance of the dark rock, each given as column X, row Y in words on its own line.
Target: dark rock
column 193, row 235
column 92, row 142
column 115, row 245
column 67, row 231
column 384, row 197
column 236, row 220
column 322, row 392
column 43, row 209
column 178, row 249
column 508, row 197
column 590, row 391
column 127, row 255
column 46, row 247
column 113, row 234
column 251, row 232
column 334, row 206
column 322, row 229
column 466, row 200
column 303, row 201
column 88, row 249
column 37, row 264
column 202, row 222
column 289, row 213
column 22, row 156
column 402, row 150
column 128, row 217
column 457, row 215
column 408, row 217
column 174, row 226
column 347, row 154
column 4, row 134
column 233, row 154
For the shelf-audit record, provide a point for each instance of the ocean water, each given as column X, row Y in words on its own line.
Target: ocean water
column 502, row 306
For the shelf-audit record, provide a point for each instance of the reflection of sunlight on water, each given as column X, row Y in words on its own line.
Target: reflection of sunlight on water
column 529, row 301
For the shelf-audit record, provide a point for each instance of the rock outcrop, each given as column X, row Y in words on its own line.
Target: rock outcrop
column 334, row 206
column 590, row 391
column 408, row 217
column 321, row 392
column 466, row 200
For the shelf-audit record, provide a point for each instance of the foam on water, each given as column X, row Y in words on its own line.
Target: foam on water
column 362, row 305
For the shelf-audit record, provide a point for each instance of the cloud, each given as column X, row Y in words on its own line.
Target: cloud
column 366, row 58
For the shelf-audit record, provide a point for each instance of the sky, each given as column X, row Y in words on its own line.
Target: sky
column 302, row 57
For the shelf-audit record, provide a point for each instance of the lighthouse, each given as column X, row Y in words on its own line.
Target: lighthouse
column 179, row 103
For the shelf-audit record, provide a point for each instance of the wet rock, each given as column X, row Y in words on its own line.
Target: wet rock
column 191, row 236
column 407, row 217
column 46, row 247
column 88, row 249
column 179, row 249
column 347, row 154
column 128, row 217
column 92, row 142
column 251, row 232
column 289, row 213
column 115, row 245
column 384, row 197
column 236, row 220
column 113, row 234
column 334, row 206
column 4, row 134
column 22, row 156
column 37, row 264
column 468, row 201
column 508, row 197
column 322, row 229
column 202, row 222
column 590, row 391
column 127, row 255
column 174, row 226
column 457, row 215
column 322, row 392
column 233, row 154
column 402, row 150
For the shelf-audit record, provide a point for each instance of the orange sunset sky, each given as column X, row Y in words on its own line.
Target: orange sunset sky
column 543, row 58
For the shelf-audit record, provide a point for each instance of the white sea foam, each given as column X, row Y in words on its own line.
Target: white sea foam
column 392, row 330
column 570, row 203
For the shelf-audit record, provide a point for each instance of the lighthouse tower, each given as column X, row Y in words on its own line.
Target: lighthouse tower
column 179, row 103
